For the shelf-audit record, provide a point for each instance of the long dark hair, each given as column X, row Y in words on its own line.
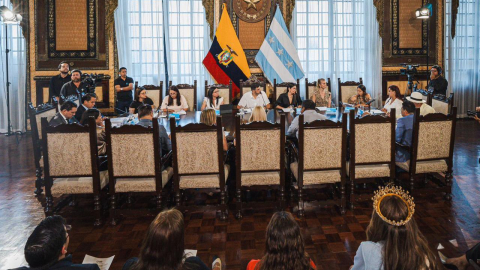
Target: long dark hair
column 284, row 245
column 405, row 247
column 170, row 100
column 163, row 245
column 137, row 93
column 210, row 96
column 364, row 90
column 87, row 114
column 395, row 89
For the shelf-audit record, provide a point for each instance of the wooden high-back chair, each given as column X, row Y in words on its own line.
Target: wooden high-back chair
column 154, row 92
column 372, row 149
column 347, row 89
column 442, row 104
column 245, row 86
column 260, row 157
column 321, row 161
column 433, row 138
column 198, row 159
column 71, row 163
column 135, row 170
column 225, row 91
column 48, row 111
column 189, row 92
column 280, row 88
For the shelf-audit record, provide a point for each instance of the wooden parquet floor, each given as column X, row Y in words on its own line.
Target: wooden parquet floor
column 331, row 239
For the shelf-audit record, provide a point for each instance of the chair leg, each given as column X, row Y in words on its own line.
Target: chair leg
column 129, row 199
column 239, row 204
column 223, row 206
column 38, row 181
column 73, row 202
column 177, row 198
column 159, row 200
column 282, row 198
column 412, row 183
column 352, row 194
column 301, row 209
column 448, row 183
column 113, row 212
column 98, row 210
column 342, row 198
column 48, row 205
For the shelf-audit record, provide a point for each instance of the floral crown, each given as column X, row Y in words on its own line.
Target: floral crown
column 391, row 190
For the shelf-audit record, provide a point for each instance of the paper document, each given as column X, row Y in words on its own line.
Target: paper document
column 182, row 112
column 287, row 110
column 321, row 108
column 376, row 112
column 103, row 263
column 190, row 253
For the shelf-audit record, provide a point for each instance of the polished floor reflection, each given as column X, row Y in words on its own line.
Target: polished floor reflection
column 331, row 239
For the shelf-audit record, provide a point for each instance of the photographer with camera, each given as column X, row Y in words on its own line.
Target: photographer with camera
column 438, row 84
column 75, row 86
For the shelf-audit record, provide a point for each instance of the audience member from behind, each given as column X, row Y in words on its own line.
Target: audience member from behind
column 209, row 117
column 213, row 100
column 145, row 117
column 140, row 98
column 88, row 102
column 258, row 115
column 65, row 115
column 403, row 132
column 47, row 246
column 101, row 142
column 361, row 98
column 174, row 102
column 163, row 246
column 393, row 238
column 417, row 99
column 284, row 246
column 309, row 114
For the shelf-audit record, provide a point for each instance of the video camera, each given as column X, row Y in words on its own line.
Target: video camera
column 410, row 71
column 473, row 113
column 91, row 81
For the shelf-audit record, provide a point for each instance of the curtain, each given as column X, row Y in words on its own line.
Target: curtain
column 339, row 39
column 462, row 56
column 163, row 46
column 16, row 76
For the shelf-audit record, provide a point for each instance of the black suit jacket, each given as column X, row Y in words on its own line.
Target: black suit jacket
column 59, row 120
column 79, row 113
column 66, row 264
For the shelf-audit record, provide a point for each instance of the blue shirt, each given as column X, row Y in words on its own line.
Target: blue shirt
column 369, row 256
column 403, row 135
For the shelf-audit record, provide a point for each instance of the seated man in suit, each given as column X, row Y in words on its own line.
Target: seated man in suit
column 403, row 133
column 145, row 117
column 310, row 115
column 46, row 247
column 65, row 115
column 88, row 102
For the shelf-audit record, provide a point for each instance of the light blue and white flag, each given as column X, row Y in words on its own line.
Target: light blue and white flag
column 278, row 57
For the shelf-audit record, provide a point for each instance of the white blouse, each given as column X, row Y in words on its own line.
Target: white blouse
column 217, row 106
column 397, row 104
column 175, row 107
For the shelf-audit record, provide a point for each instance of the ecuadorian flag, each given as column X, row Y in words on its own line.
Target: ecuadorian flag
column 226, row 59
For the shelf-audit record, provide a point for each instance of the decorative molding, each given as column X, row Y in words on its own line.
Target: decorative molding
column 110, row 7
column 251, row 12
column 396, row 50
column 453, row 24
column 379, row 6
column 21, row 6
column 209, row 14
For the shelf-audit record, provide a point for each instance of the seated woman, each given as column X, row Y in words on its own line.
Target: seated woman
column 174, row 102
column 290, row 98
column 394, row 240
column 284, row 246
column 209, row 117
column 258, row 115
column 322, row 97
column 163, row 246
column 361, row 98
column 101, row 142
column 393, row 101
column 140, row 98
column 212, row 100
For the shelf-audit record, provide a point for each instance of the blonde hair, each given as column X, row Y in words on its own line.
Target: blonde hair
column 258, row 115
column 208, row 117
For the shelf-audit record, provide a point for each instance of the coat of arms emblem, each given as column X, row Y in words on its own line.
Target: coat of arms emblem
column 226, row 56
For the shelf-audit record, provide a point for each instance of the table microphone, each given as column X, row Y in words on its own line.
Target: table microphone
column 125, row 114
column 370, row 102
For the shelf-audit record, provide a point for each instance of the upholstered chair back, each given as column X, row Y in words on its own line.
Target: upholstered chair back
column 130, row 160
column 246, row 87
column 224, row 91
column 155, row 93
column 440, row 106
column 312, row 86
column 197, row 152
column 260, row 149
column 189, row 94
column 69, row 154
column 434, row 139
column 347, row 89
column 49, row 114
column 373, row 142
column 322, row 148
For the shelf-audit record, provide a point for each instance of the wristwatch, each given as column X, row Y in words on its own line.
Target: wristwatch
column 121, row 89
